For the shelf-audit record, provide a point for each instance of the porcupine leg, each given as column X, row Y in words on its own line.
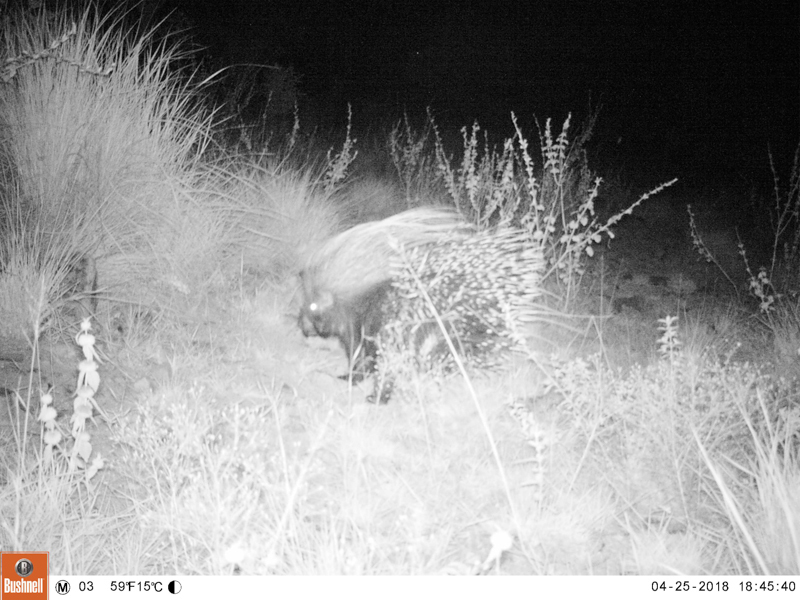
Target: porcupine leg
column 361, row 358
column 384, row 386
column 360, row 340
column 364, row 363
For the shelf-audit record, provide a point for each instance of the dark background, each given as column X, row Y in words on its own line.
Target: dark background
column 688, row 89
column 699, row 85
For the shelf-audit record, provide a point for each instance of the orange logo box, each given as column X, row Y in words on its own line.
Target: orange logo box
column 23, row 575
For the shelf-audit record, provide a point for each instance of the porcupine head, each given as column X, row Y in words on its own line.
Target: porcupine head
column 355, row 320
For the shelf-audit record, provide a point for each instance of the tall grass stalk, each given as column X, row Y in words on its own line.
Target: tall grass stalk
column 785, row 217
column 410, row 151
column 765, row 526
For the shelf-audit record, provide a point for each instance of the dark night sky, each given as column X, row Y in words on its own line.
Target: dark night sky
column 716, row 80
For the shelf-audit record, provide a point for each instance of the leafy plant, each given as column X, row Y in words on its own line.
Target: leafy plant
column 553, row 201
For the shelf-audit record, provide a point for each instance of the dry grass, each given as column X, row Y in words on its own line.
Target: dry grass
column 101, row 140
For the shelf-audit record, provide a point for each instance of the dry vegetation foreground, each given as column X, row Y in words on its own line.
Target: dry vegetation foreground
column 652, row 427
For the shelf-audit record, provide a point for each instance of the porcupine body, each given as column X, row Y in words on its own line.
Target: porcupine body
column 479, row 288
column 479, row 291
column 346, row 281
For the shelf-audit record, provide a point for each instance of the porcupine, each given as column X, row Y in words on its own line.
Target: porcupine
column 345, row 282
column 479, row 287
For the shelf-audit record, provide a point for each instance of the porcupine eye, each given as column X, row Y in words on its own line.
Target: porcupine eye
column 310, row 320
column 322, row 313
